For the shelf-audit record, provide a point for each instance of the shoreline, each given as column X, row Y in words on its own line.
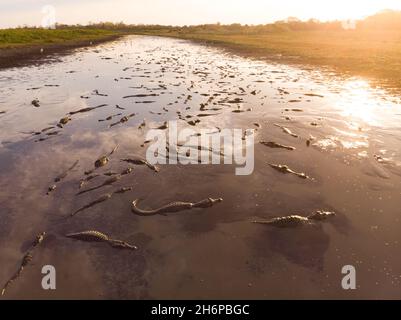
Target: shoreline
column 31, row 53
column 26, row 54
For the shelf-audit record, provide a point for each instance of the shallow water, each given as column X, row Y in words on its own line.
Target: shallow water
column 354, row 159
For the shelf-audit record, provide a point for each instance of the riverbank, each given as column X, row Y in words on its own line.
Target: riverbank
column 366, row 53
column 19, row 46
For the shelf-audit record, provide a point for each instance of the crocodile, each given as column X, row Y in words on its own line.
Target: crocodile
column 86, row 109
column 286, row 130
column 61, row 177
column 35, row 103
column 97, row 93
column 96, row 236
column 123, row 190
column 127, row 171
column 174, row 207
column 103, row 160
column 122, row 120
column 110, row 173
column 140, row 161
column 65, row 173
column 321, row 215
column 294, row 221
column 51, row 189
column 93, row 203
column 141, row 95
column 164, row 126
column 285, row 169
column 108, row 182
column 200, row 115
column 53, row 133
column 286, row 222
column 193, row 122
column 87, row 179
column 110, row 117
column 63, row 121
column 25, row 261
column 142, row 125
column 273, row 144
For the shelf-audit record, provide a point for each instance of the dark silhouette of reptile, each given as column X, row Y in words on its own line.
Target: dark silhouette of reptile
column 25, row 261
column 285, row 169
column 294, row 221
column 272, row 144
column 96, row 236
column 175, row 207
column 108, row 182
column 61, row 177
column 101, row 199
column 140, row 161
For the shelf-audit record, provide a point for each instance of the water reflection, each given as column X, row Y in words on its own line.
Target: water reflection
column 353, row 147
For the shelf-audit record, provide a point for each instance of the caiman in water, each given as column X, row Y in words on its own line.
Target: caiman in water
column 286, row 130
column 294, row 221
column 272, row 144
column 285, row 169
column 175, row 207
column 63, row 121
column 103, row 160
column 93, row 203
column 96, row 236
column 61, row 177
column 108, row 182
column 140, row 161
column 86, row 109
column 25, row 261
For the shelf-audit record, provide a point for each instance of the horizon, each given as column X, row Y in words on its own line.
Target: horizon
column 192, row 12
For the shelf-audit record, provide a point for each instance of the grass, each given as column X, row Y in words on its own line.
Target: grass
column 365, row 53
column 25, row 37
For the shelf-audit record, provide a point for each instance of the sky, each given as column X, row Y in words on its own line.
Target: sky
column 187, row 12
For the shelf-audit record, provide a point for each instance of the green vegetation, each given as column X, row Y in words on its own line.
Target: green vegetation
column 22, row 37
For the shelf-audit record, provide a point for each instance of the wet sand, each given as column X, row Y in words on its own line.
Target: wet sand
column 210, row 253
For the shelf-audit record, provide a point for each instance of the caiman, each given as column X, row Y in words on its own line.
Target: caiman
column 285, row 169
column 294, row 221
column 286, row 130
column 140, row 161
column 63, row 121
column 86, row 109
column 108, row 182
column 103, row 160
column 175, row 207
column 93, row 203
column 96, row 236
column 36, row 103
column 276, row 145
column 25, row 261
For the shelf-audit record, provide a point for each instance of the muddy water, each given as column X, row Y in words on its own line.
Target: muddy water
column 354, row 160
